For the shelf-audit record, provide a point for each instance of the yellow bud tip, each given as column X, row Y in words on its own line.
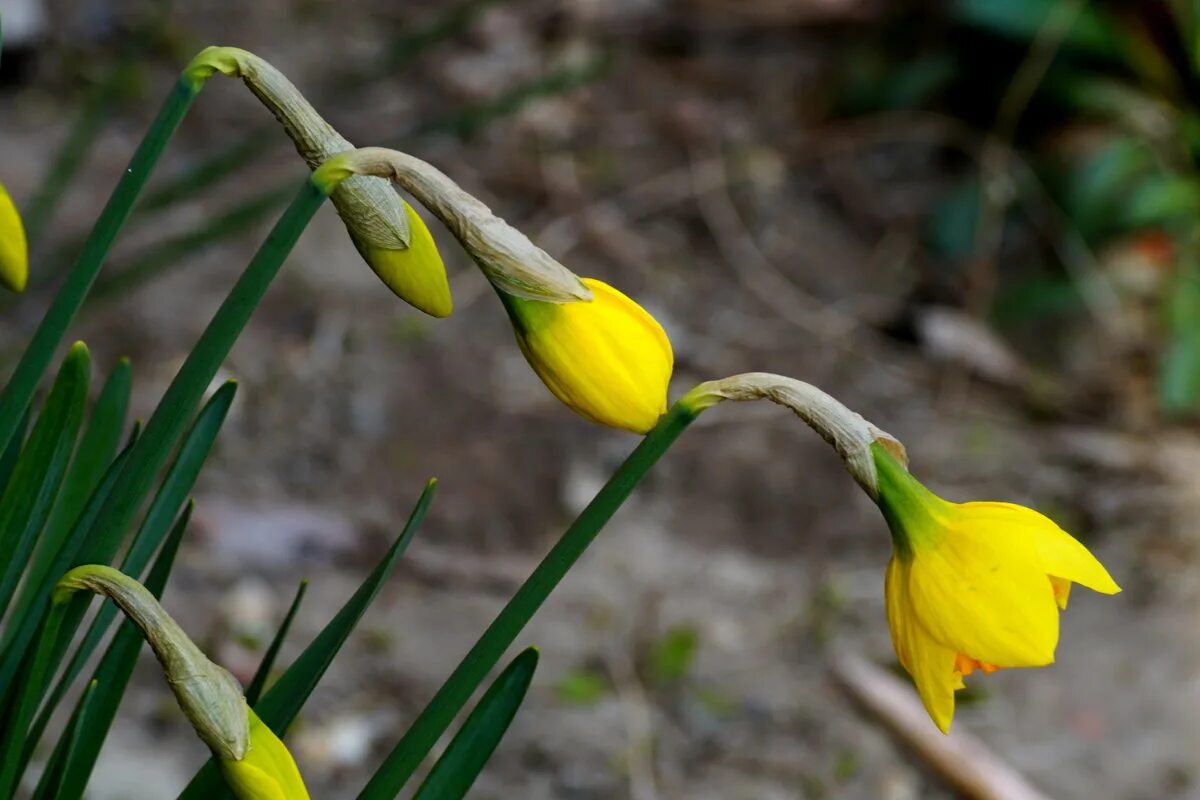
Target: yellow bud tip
column 267, row 771
column 417, row 274
column 14, row 250
column 608, row 360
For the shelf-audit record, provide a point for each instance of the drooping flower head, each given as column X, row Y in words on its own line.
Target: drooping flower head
column 254, row 762
column 14, row 255
column 973, row 585
column 607, row 359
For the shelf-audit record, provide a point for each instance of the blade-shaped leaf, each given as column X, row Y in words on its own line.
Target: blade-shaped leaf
column 259, row 682
column 19, row 391
column 20, row 633
column 35, row 483
column 113, row 673
column 470, row 749
column 95, row 453
column 172, row 494
column 8, row 460
column 41, row 603
column 52, row 776
column 280, row 704
column 31, row 680
column 432, row 722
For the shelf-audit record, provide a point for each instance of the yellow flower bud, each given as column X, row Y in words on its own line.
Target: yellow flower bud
column 254, row 762
column 267, row 771
column 973, row 585
column 608, row 359
column 416, row 274
column 14, row 254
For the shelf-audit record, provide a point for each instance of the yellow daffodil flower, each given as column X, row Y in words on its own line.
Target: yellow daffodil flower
column 267, row 770
column 608, row 359
column 14, row 254
column 416, row 274
column 973, row 585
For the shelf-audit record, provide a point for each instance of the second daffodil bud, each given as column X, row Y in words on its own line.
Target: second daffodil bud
column 14, row 255
column 387, row 233
column 608, row 359
column 254, row 762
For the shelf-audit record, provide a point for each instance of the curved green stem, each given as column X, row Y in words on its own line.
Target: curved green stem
column 19, row 391
column 416, row 743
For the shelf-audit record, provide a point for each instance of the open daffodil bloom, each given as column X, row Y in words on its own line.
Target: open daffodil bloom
column 607, row 359
column 973, row 585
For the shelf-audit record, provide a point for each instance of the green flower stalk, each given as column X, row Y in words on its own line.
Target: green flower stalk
column 14, row 252
column 388, row 233
column 254, row 762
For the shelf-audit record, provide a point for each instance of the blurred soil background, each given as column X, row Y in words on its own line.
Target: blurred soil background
column 851, row 192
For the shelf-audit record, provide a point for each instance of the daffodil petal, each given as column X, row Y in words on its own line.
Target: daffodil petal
column 982, row 592
column 930, row 663
column 14, row 255
column 1062, row 591
column 608, row 359
column 267, row 772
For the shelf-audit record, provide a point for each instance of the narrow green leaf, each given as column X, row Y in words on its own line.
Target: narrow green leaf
column 1091, row 30
column 31, row 681
column 171, row 495
column 30, row 495
column 95, row 453
column 470, row 749
column 85, row 129
column 114, row 672
column 283, row 701
column 19, row 391
column 21, row 631
column 8, row 460
column 30, row 617
column 163, row 256
column 421, row 736
column 183, row 396
column 50, row 783
column 259, row 682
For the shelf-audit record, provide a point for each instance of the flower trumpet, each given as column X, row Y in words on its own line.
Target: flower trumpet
column 973, row 585
column 254, row 762
column 970, row 586
column 14, row 254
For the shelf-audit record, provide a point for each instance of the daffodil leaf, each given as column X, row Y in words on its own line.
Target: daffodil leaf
column 22, row 385
column 8, row 460
column 32, row 616
column 454, row 773
column 171, row 496
column 49, row 785
column 94, row 455
column 281, row 703
column 259, row 682
column 113, row 673
column 454, row 693
column 31, row 679
column 30, row 494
